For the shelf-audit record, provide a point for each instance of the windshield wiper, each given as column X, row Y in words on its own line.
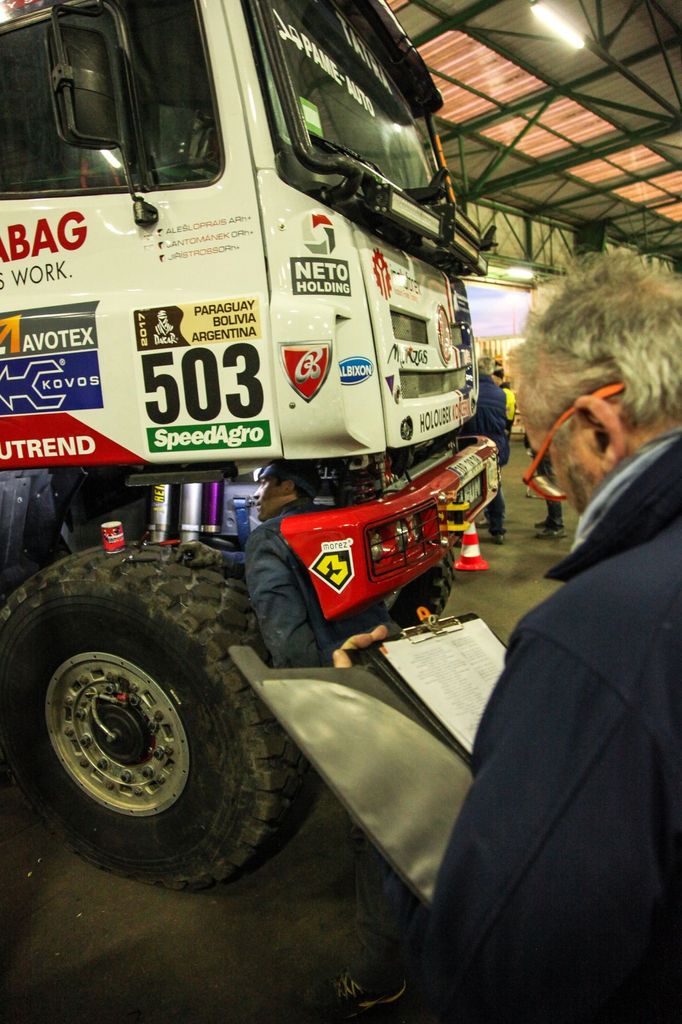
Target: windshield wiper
column 337, row 147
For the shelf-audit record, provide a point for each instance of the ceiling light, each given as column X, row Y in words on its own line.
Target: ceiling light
column 520, row 273
column 557, row 25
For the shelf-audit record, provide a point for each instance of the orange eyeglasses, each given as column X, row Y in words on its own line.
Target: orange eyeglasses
column 543, row 485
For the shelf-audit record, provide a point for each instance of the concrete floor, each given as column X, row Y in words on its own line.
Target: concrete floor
column 78, row 945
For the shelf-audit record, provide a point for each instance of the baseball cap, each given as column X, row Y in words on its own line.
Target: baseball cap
column 303, row 474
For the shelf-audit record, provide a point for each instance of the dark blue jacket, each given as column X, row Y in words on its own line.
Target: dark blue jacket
column 294, row 630
column 559, row 900
column 491, row 416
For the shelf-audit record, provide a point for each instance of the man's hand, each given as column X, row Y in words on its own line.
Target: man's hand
column 357, row 643
column 199, row 556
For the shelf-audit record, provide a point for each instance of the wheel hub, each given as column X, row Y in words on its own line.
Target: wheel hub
column 117, row 733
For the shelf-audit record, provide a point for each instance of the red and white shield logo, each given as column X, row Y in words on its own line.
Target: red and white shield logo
column 306, row 367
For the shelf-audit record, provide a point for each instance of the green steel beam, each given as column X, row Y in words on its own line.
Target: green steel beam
column 554, row 88
column 584, row 99
column 600, row 21
column 671, row 73
column 498, row 160
column 463, row 165
column 587, row 17
column 454, row 22
column 612, row 36
column 540, row 170
column 630, row 76
column 673, row 22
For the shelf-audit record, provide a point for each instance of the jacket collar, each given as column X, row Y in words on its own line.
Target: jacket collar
column 638, row 512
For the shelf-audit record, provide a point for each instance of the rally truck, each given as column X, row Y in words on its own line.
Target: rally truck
column 226, row 235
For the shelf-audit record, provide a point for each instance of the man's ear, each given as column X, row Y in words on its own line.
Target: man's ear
column 603, row 429
column 288, row 487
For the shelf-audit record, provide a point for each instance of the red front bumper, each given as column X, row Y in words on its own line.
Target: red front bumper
column 357, row 555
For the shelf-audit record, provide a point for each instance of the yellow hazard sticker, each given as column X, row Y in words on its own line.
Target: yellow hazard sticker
column 334, row 564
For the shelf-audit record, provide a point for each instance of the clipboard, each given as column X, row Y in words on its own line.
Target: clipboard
column 385, row 754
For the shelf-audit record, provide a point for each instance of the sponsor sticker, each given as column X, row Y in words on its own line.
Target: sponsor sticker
column 356, row 369
column 319, row 276
column 445, row 415
column 198, row 323
column 408, row 356
column 311, row 116
column 209, row 437
column 50, row 385
column 307, row 367
column 334, row 565
column 382, row 273
column 47, row 331
column 66, row 447
column 318, row 235
column 49, row 360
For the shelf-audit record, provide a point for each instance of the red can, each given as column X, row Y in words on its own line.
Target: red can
column 112, row 537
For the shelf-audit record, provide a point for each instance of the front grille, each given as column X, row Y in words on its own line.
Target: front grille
column 420, row 385
column 409, row 328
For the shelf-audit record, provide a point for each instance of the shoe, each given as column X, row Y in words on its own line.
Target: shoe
column 343, row 998
column 549, row 532
column 497, row 538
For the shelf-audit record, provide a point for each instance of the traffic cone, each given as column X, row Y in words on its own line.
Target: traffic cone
column 471, row 557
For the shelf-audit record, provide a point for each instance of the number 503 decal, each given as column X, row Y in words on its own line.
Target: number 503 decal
column 194, row 381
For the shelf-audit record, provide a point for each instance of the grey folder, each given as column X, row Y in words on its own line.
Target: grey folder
column 401, row 782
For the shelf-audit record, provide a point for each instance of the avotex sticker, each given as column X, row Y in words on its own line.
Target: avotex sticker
column 334, row 564
column 49, row 360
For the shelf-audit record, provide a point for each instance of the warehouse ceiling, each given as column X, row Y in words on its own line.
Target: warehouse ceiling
column 590, row 136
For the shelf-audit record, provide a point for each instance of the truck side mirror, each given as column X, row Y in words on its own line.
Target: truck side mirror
column 83, row 87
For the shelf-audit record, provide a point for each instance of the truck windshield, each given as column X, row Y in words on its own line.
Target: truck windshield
column 176, row 109
column 347, row 97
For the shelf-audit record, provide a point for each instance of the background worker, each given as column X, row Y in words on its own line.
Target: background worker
column 509, row 397
column 559, row 898
column 490, row 421
column 552, row 526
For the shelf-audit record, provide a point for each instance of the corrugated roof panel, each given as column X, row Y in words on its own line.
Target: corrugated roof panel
column 673, row 212
column 637, row 158
column 595, row 170
column 536, row 141
column 639, row 192
column 459, row 56
column 575, row 122
column 459, row 104
column 672, row 182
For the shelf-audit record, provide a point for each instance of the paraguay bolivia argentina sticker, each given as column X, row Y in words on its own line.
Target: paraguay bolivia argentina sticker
column 334, row 564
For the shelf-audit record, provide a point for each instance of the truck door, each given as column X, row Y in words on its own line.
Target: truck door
column 126, row 342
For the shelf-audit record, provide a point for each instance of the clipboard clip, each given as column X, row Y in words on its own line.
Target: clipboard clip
column 430, row 626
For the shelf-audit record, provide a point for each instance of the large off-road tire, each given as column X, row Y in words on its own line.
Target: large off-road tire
column 127, row 726
column 430, row 590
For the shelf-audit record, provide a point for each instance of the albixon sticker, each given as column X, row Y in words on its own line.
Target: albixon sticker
column 356, row 369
